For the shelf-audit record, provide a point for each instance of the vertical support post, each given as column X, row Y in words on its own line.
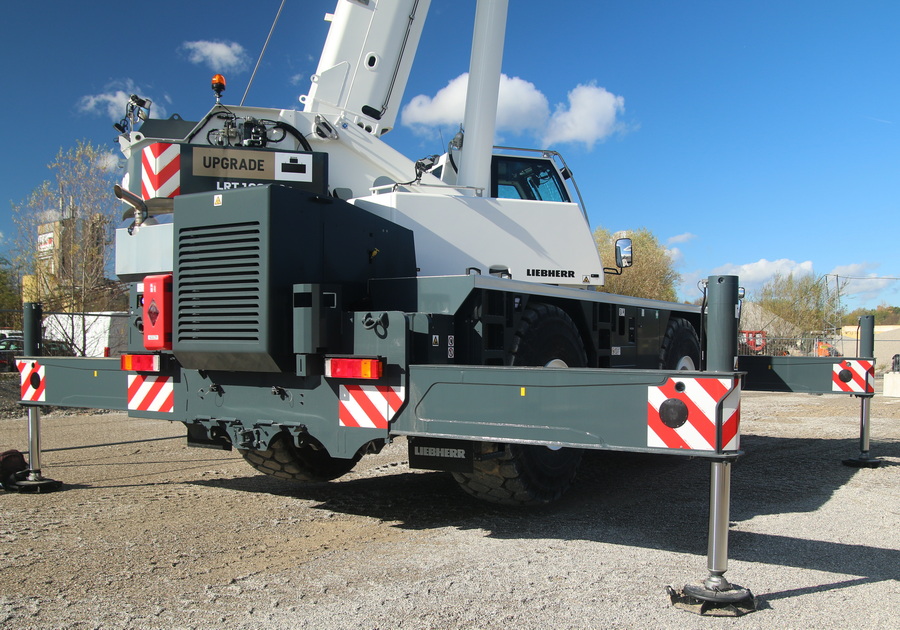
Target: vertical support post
column 722, row 327
column 33, row 481
column 34, row 444
column 721, row 356
column 866, row 351
column 33, row 320
column 482, row 93
column 719, row 511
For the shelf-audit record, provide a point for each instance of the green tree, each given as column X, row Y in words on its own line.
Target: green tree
column 653, row 274
column 10, row 296
column 803, row 300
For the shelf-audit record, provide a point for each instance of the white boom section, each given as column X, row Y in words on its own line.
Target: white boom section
column 482, row 93
column 366, row 60
column 535, row 241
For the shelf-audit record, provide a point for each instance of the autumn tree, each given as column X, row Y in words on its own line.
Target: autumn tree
column 65, row 234
column 653, row 274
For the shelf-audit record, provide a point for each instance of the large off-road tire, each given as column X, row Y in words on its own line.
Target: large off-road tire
column 680, row 349
column 525, row 474
column 286, row 461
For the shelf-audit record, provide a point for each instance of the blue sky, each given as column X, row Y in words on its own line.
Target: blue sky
column 749, row 136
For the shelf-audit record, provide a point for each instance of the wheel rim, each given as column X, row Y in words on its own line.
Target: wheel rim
column 685, row 363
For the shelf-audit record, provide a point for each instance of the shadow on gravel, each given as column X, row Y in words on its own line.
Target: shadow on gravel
column 647, row 501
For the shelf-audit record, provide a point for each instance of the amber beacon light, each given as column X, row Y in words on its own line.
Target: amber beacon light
column 218, row 85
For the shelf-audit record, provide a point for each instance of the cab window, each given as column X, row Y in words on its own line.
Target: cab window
column 524, row 178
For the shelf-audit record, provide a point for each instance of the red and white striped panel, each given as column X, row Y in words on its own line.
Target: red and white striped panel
column 31, row 380
column 160, row 170
column 372, row 406
column 861, row 376
column 700, row 397
column 151, row 393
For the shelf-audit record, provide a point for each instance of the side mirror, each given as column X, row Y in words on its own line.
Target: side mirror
column 623, row 253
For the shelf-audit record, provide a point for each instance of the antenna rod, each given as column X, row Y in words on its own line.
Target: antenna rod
column 258, row 61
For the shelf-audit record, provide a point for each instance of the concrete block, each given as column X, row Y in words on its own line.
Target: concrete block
column 892, row 384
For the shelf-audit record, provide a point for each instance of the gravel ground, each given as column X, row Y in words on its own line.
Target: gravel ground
column 147, row 533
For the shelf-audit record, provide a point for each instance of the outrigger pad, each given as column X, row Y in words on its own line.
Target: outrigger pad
column 20, row 482
column 15, row 473
column 734, row 602
column 862, row 462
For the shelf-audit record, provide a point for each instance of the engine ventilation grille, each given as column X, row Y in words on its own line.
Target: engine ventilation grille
column 219, row 295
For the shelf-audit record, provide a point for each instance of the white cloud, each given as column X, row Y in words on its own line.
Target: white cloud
column 858, row 282
column 754, row 275
column 111, row 103
column 589, row 117
column 218, row 56
column 520, row 106
column 445, row 108
column 681, row 238
column 297, row 79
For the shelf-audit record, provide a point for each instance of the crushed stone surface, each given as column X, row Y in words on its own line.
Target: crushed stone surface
column 148, row 533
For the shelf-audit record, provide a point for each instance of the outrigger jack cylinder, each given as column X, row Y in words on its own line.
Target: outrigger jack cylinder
column 716, row 595
column 31, row 480
column 867, row 350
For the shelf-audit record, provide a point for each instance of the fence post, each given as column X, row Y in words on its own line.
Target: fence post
column 31, row 480
column 866, row 351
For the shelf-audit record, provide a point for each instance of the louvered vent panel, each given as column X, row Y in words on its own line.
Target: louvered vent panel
column 219, row 289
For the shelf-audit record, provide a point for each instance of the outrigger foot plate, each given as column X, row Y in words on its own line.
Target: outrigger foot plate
column 26, row 481
column 862, row 462
column 700, row 600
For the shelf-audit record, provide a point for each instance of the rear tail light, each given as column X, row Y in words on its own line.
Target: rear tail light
column 353, row 368
column 140, row 362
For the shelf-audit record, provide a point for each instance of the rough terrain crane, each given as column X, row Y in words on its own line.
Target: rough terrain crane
column 305, row 294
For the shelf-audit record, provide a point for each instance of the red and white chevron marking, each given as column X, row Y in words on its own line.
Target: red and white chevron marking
column 160, row 170
column 372, row 406
column 31, row 379
column 700, row 397
column 151, row 393
column 861, row 374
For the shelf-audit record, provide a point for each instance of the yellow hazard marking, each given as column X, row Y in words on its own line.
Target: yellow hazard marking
column 522, row 392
